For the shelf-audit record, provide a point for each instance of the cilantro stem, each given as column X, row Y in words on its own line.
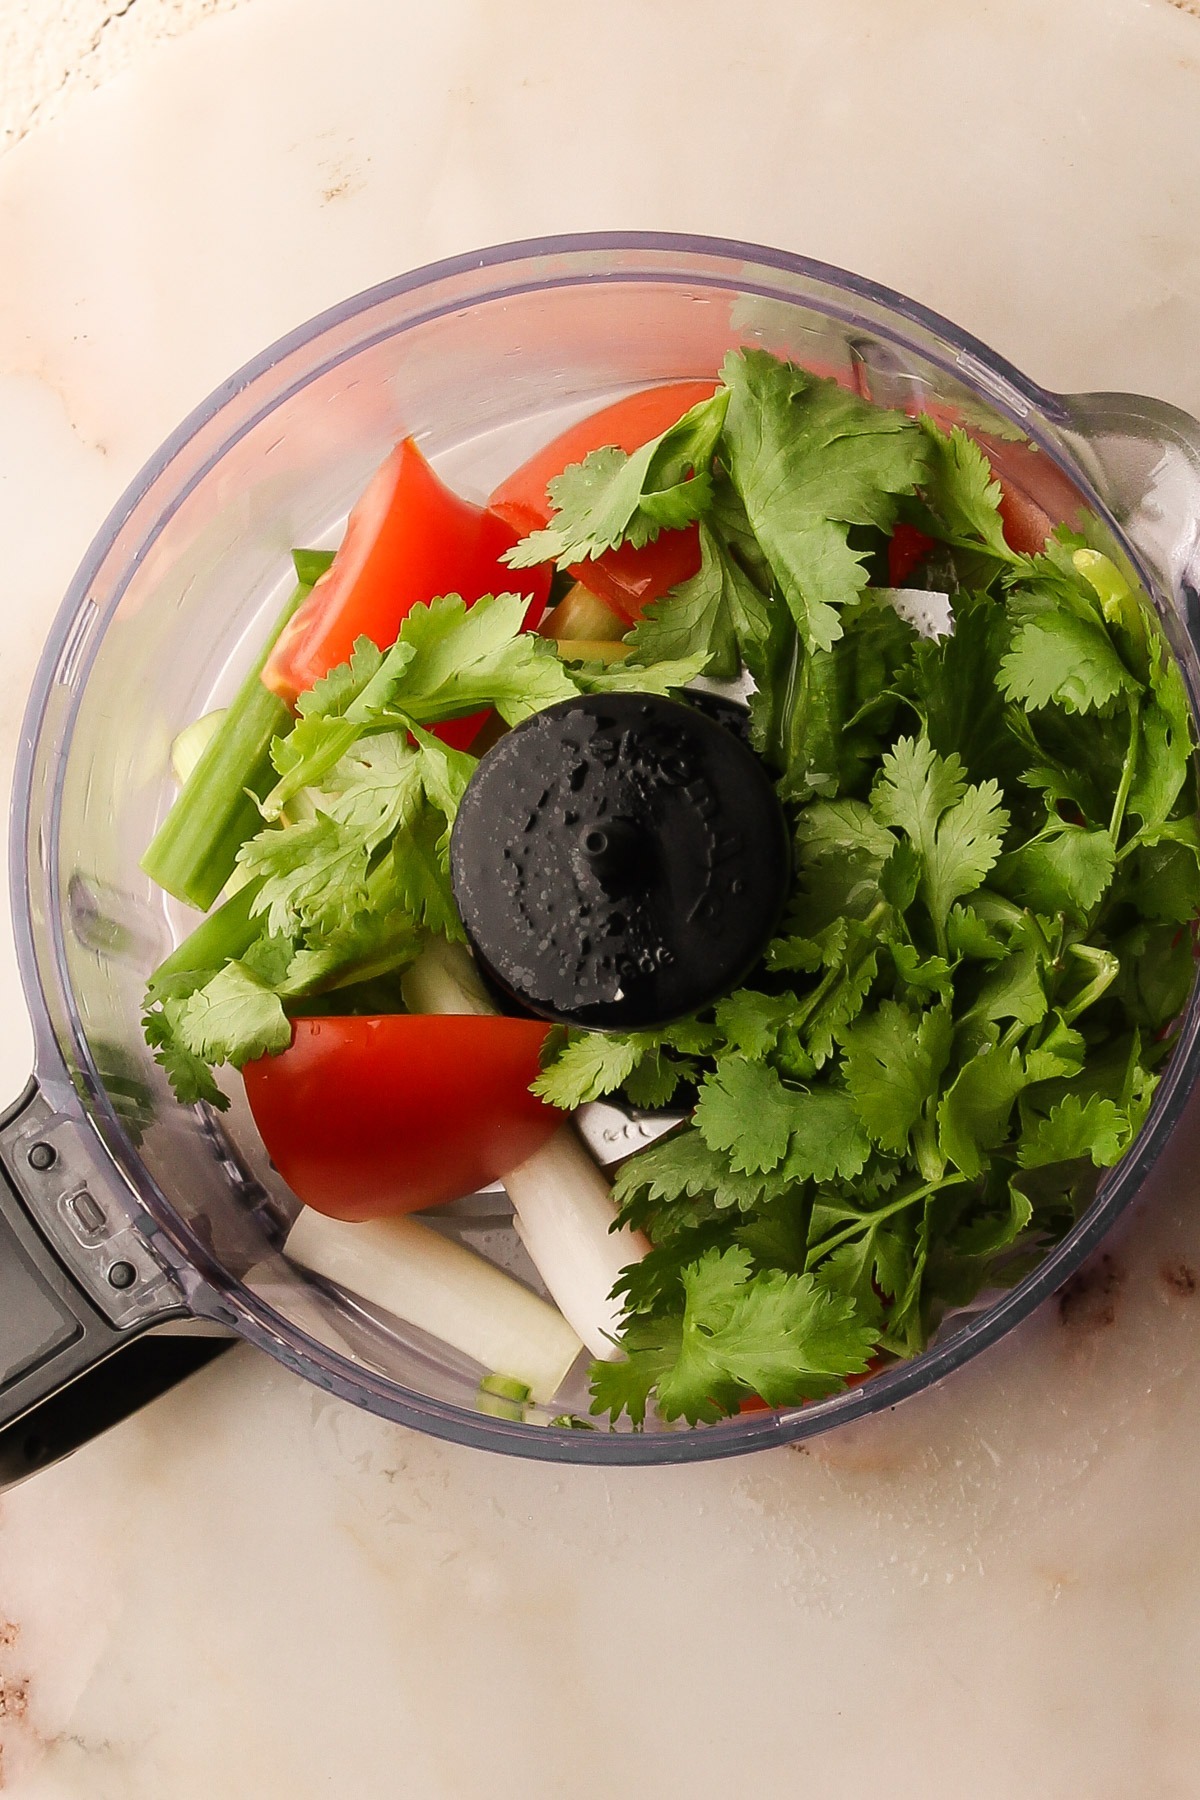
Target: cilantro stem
column 835, row 973
column 1127, row 772
column 1107, row 969
column 869, row 1221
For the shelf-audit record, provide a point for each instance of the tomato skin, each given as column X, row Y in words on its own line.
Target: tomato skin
column 906, row 547
column 408, row 539
column 366, row 1117
column 625, row 579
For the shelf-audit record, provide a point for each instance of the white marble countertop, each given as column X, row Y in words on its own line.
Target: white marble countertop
column 249, row 1590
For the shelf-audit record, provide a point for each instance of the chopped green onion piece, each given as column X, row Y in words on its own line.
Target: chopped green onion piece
column 193, row 852
column 223, row 937
column 310, row 565
column 502, row 1397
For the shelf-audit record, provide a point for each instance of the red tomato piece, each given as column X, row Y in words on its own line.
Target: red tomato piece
column 625, row 579
column 1025, row 524
column 906, row 547
column 407, row 540
column 365, row 1117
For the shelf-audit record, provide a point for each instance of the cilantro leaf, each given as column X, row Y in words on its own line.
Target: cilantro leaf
column 1060, row 659
column 809, row 460
column 1066, row 869
column 961, row 489
column 893, row 1062
column 831, row 827
column 750, row 1022
column 783, row 1337
column 1076, row 1128
column 1061, row 1052
column 234, row 1018
column 1164, row 754
column 957, row 829
column 975, row 1110
column 827, row 1139
column 745, row 1110
column 466, row 657
column 651, row 1349
column 361, row 948
column 311, row 873
column 969, row 935
column 953, row 683
column 710, row 614
column 1015, row 989
column 333, row 716
column 637, row 677
column 611, row 497
column 189, row 1075
column 679, row 1182
column 587, row 1067
column 419, row 871
column 375, row 787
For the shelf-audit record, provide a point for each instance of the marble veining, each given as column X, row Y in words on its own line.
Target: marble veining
column 250, row 1590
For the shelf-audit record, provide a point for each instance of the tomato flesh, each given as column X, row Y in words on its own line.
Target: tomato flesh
column 407, row 540
column 365, row 1117
column 625, row 579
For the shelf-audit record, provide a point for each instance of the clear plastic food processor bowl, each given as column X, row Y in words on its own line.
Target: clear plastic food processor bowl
column 127, row 1214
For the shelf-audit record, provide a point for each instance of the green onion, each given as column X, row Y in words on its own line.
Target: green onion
column 502, row 1397
column 223, row 937
column 193, row 852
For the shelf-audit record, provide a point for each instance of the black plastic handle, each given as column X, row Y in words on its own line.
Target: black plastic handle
column 84, row 1301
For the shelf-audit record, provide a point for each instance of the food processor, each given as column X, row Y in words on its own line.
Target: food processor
column 139, row 1237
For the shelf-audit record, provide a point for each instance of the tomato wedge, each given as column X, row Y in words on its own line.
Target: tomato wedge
column 408, row 539
column 364, row 1117
column 906, row 547
column 625, row 579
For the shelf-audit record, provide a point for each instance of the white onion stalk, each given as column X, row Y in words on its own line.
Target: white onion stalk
column 413, row 1272
column 565, row 1213
column 565, row 1219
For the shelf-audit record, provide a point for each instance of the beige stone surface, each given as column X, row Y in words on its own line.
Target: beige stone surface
column 253, row 1592
column 51, row 49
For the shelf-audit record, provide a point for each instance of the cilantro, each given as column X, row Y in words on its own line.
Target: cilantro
column 1065, row 869
column 466, row 657
column 1076, row 1128
column 636, row 677
column 586, row 1068
column 1065, row 660
column 782, row 1337
column 611, row 497
column 744, row 1109
column 311, row 873
column 750, row 1022
column 709, row 615
column 956, row 829
column 1014, row 990
column 962, row 491
column 975, row 1110
column 809, row 460
column 234, row 1018
column 1164, row 754
column 894, row 1060
column 679, row 1181
column 827, row 1137
column 189, row 1075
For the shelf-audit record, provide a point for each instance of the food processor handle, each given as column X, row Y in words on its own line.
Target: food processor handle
column 1143, row 457
column 85, row 1303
